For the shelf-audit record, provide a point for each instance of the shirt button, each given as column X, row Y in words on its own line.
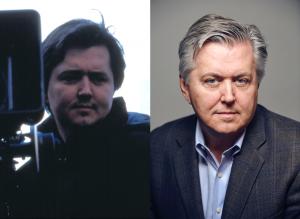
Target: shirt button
column 219, row 175
column 218, row 210
column 202, row 147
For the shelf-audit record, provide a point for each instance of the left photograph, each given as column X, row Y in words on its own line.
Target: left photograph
column 75, row 109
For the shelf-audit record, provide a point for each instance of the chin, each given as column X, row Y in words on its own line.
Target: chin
column 83, row 122
column 222, row 127
column 229, row 129
column 226, row 131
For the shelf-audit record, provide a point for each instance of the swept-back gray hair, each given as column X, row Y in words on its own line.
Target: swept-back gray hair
column 215, row 28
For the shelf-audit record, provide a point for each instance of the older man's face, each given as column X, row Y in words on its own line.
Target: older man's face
column 223, row 87
column 81, row 88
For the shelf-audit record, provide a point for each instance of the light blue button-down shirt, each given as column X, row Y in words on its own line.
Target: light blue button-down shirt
column 214, row 177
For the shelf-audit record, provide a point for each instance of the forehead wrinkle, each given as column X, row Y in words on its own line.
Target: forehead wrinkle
column 227, row 52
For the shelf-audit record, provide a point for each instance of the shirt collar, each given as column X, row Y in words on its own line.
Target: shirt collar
column 199, row 139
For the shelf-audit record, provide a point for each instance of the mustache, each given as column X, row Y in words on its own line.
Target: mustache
column 79, row 105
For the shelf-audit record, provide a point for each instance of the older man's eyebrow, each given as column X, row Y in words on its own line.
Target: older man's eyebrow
column 242, row 75
column 211, row 74
column 216, row 75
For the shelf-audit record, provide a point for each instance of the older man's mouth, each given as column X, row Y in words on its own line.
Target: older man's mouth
column 227, row 114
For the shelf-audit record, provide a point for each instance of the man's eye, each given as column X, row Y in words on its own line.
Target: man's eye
column 212, row 81
column 71, row 78
column 241, row 81
column 97, row 78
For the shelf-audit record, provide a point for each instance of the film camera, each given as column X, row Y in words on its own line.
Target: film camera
column 21, row 97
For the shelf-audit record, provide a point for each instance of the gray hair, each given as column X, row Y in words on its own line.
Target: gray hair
column 215, row 28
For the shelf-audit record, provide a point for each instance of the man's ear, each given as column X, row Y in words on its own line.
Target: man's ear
column 184, row 89
column 46, row 98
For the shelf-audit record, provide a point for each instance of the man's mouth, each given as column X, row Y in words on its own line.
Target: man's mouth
column 226, row 112
column 84, row 106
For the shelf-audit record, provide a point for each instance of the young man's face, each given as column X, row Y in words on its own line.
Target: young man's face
column 81, row 87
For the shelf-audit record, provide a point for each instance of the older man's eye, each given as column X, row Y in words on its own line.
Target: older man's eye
column 241, row 81
column 212, row 81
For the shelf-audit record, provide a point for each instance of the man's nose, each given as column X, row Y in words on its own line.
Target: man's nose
column 227, row 92
column 85, row 88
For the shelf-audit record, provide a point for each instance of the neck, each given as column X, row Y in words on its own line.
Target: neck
column 62, row 132
column 218, row 142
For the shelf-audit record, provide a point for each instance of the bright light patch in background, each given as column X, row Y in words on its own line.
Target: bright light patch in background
column 20, row 161
column 131, row 26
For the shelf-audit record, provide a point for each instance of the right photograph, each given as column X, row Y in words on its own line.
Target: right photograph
column 225, row 109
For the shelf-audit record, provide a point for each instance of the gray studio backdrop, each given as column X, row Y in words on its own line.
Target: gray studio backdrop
column 279, row 22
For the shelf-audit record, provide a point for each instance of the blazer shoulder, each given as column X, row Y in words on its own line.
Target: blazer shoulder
column 280, row 122
column 168, row 135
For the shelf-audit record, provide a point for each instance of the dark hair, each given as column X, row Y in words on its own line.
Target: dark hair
column 81, row 34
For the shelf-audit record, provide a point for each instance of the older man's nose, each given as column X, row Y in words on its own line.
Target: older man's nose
column 227, row 92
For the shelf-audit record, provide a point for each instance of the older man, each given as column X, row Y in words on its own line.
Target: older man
column 233, row 158
column 101, row 163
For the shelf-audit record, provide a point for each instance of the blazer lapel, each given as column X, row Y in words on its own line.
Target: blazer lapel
column 245, row 169
column 185, row 162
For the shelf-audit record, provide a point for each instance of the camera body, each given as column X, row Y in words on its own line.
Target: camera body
column 21, row 70
column 21, row 102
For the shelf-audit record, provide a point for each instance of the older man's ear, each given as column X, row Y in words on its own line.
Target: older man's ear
column 184, row 89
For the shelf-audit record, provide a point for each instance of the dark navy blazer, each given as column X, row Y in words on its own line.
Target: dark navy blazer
column 264, row 180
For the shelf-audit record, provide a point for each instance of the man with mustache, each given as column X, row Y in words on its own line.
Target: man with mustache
column 101, row 163
column 233, row 158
